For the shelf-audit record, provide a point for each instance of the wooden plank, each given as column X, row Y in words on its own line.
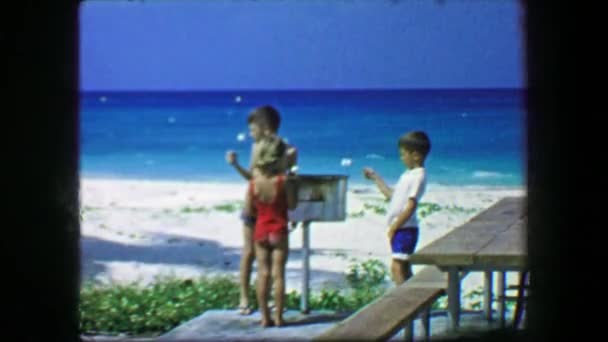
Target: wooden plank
column 508, row 209
column 507, row 249
column 403, row 303
column 429, row 277
column 384, row 317
column 459, row 246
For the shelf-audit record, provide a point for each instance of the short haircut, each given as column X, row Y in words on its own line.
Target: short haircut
column 265, row 116
column 417, row 141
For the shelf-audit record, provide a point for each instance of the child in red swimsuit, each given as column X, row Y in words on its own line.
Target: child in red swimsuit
column 271, row 193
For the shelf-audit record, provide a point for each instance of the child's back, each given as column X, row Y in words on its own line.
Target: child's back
column 270, row 201
column 271, row 195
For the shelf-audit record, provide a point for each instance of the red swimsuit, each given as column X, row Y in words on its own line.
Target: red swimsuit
column 271, row 222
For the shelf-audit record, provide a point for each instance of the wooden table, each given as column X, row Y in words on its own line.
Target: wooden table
column 492, row 241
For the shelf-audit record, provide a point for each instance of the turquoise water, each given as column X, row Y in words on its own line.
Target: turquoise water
column 477, row 135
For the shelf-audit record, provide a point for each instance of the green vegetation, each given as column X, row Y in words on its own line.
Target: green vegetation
column 229, row 207
column 152, row 310
column 357, row 214
column 457, row 209
column 379, row 208
column 472, row 300
column 424, row 209
column 189, row 210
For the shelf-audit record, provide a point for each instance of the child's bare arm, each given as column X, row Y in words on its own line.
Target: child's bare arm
column 231, row 158
column 291, row 189
column 408, row 211
column 369, row 173
column 291, row 156
column 249, row 207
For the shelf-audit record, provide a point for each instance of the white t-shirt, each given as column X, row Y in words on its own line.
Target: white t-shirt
column 411, row 184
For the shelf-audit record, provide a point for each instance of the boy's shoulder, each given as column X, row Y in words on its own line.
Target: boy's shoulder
column 417, row 173
column 284, row 141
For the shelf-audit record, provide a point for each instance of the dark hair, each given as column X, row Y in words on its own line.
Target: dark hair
column 267, row 116
column 416, row 141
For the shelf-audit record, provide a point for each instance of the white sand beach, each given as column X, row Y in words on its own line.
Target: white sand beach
column 135, row 230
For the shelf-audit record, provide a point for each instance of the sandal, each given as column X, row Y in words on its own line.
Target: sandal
column 271, row 306
column 245, row 310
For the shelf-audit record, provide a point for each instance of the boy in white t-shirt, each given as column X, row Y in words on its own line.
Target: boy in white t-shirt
column 401, row 217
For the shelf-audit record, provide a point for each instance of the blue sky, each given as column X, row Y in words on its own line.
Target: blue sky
column 307, row 44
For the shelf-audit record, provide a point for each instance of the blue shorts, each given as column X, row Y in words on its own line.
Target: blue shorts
column 248, row 220
column 404, row 242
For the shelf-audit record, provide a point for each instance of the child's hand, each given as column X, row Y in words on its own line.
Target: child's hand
column 231, row 157
column 369, row 173
column 292, row 156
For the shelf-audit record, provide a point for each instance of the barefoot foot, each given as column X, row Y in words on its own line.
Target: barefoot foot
column 278, row 321
column 265, row 323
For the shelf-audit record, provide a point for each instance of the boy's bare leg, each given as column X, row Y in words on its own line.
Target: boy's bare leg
column 247, row 257
column 401, row 270
column 263, row 282
column 279, row 258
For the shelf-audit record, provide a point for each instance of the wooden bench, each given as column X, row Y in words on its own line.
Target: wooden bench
column 397, row 308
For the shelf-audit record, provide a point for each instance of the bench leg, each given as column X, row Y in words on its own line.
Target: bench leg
column 521, row 293
column 426, row 323
column 409, row 331
column 500, row 288
column 453, row 298
column 487, row 295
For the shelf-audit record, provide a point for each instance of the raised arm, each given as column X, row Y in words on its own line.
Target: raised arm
column 291, row 189
column 231, row 158
column 291, row 156
column 369, row 173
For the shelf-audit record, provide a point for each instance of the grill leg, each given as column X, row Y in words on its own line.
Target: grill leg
column 305, row 267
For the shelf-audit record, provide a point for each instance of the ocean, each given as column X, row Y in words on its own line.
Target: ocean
column 477, row 135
